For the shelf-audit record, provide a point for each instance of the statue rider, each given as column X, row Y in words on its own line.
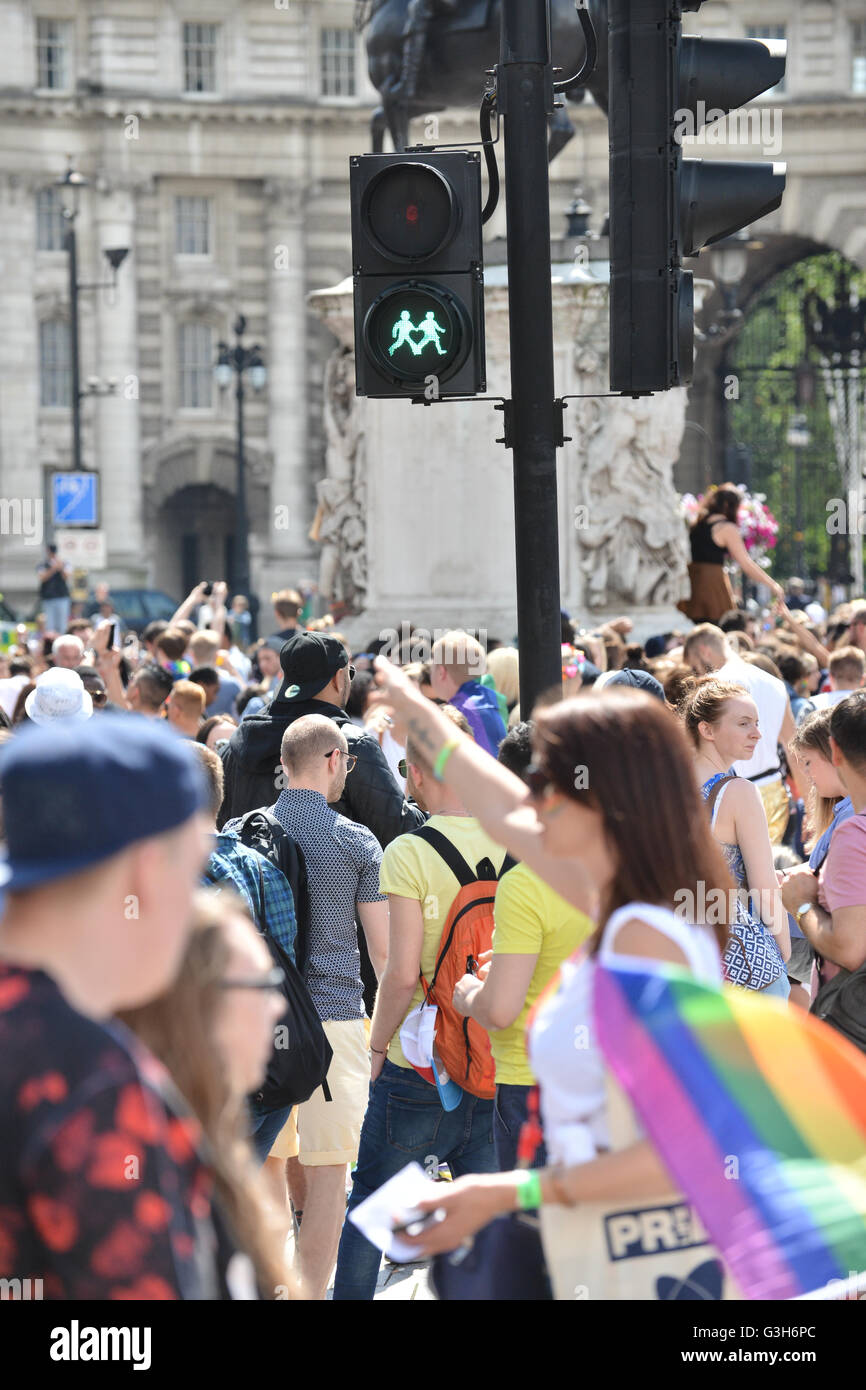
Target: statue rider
column 418, row 20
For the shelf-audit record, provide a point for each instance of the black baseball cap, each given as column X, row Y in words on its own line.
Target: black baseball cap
column 309, row 661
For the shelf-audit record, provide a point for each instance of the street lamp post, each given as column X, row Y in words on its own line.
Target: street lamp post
column 72, row 181
column 237, row 360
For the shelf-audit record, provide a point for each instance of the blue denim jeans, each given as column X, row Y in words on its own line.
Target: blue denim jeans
column 56, row 612
column 265, row 1125
column 780, row 989
column 404, row 1122
column 509, row 1113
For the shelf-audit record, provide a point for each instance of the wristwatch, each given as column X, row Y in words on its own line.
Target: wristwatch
column 804, row 907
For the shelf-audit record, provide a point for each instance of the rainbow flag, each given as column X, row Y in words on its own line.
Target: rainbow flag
column 758, row 1111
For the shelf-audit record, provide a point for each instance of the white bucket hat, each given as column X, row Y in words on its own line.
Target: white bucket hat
column 59, row 694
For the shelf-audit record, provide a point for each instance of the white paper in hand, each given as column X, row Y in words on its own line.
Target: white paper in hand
column 388, row 1206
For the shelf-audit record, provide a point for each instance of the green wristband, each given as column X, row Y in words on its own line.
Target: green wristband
column 444, row 755
column 529, row 1190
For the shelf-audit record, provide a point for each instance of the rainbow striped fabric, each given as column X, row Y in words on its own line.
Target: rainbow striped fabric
column 758, row 1110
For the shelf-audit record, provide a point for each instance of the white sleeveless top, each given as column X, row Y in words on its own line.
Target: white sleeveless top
column 563, row 1052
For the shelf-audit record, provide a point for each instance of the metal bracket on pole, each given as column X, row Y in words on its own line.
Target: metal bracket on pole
column 560, row 406
column 507, row 408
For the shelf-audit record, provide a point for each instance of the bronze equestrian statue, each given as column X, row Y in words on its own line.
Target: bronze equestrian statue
column 426, row 55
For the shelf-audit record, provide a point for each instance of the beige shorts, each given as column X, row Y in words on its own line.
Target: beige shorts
column 286, row 1143
column 329, row 1131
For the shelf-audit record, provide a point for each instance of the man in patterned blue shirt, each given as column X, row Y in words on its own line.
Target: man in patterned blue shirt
column 261, row 885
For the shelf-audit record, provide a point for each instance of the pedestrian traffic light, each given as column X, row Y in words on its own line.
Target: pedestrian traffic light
column 418, row 273
column 661, row 87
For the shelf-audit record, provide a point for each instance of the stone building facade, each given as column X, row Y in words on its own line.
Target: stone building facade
column 215, row 137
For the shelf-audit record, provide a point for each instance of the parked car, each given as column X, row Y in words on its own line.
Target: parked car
column 136, row 607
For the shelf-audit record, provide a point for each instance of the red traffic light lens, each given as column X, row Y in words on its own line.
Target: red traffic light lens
column 410, row 211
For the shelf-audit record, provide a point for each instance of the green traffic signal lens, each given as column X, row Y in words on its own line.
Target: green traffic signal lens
column 417, row 331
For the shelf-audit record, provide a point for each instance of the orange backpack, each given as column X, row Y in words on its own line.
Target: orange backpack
column 463, row 1044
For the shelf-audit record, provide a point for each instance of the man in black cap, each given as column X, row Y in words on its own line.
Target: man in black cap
column 316, row 680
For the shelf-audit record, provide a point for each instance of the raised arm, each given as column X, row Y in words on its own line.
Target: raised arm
column 192, row 600
column 498, row 799
column 733, row 542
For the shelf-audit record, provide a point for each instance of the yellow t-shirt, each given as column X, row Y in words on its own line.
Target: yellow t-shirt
column 413, row 869
column 531, row 919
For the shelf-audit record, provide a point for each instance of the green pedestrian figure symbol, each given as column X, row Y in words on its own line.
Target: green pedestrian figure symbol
column 431, row 331
column 401, row 332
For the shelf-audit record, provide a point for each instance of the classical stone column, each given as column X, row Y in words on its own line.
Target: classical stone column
column 21, row 475
column 116, row 427
column 287, row 550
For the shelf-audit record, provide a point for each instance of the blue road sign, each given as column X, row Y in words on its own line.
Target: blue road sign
column 74, row 499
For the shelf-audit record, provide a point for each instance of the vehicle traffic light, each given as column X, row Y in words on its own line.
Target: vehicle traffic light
column 418, row 274
column 661, row 87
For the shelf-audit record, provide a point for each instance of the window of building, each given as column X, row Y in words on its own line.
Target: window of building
column 200, row 57
column 195, row 357
column 55, row 377
column 192, row 219
column 768, row 31
column 858, row 57
column 50, row 222
column 52, row 54
column 337, row 63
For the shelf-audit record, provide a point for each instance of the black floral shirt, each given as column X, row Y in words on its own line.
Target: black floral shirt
column 103, row 1191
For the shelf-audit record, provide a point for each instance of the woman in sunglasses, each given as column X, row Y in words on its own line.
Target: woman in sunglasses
column 611, row 818
column 213, row 1031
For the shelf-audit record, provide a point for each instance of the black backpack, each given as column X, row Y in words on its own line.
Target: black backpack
column 301, row 1054
column 841, row 1002
column 260, row 830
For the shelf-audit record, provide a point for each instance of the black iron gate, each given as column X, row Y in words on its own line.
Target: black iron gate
column 781, row 441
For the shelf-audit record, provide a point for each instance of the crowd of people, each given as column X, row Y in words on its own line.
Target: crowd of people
column 221, row 856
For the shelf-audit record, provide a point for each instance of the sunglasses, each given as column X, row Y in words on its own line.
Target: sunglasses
column 351, row 673
column 351, row 758
column 537, row 780
column 402, row 768
column 273, row 980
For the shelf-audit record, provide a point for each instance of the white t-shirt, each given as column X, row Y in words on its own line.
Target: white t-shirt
column 562, row 1049
column 831, row 698
column 771, row 697
column 10, row 689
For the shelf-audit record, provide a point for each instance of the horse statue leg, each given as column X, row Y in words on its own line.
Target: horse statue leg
column 560, row 131
column 397, row 117
column 378, row 125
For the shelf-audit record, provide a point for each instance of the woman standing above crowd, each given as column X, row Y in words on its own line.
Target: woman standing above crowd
column 714, row 538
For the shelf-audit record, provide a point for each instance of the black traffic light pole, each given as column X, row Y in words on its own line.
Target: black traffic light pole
column 525, row 96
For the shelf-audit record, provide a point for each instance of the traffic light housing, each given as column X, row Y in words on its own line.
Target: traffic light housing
column 418, row 274
column 662, row 86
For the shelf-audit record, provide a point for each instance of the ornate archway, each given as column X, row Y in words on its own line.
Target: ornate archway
column 189, row 485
